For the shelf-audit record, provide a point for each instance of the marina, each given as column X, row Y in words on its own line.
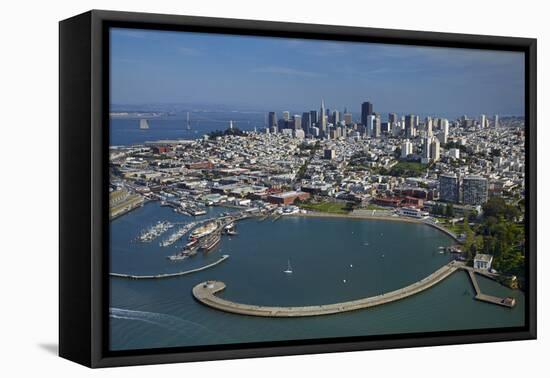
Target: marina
column 337, row 250
column 155, row 231
column 205, row 293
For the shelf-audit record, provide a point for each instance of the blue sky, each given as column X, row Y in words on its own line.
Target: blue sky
column 152, row 67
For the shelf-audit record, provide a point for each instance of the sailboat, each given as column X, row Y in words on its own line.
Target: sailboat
column 288, row 268
column 143, row 124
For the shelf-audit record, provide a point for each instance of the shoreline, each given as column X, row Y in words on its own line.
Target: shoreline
column 317, row 214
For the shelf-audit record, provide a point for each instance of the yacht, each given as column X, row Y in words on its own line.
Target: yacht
column 288, row 268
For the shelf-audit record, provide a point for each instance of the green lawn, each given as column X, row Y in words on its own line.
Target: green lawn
column 326, row 207
column 372, row 206
column 408, row 169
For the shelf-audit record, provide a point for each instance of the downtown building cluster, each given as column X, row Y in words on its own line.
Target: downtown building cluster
column 331, row 156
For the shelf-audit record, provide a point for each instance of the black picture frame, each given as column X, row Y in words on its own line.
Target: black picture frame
column 83, row 196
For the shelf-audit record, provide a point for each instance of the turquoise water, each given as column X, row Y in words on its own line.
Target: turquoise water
column 333, row 260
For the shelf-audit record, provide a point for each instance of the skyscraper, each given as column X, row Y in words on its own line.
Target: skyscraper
column 272, row 119
column 426, row 154
column 348, row 118
column 314, row 119
column 335, row 117
column 306, row 122
column 475, row 190
column 496, row 121
column 286, row 115
column 435, row 150
column 377, row 130
column 323, row 120
column 366, row 110
column 406, row 149
column 410, row 127
column 429, row 126
column 483, row 121
column 296, row 122
column 369, row 125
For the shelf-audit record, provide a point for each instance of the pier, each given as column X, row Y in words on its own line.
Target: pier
column 205, row 293
column 506, row 302
column 169, row 275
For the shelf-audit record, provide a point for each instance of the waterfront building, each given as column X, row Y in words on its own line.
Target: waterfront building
column 483, row 261
column 366, row 110
column 287, row 198
column 449, row 188
column 475, row 190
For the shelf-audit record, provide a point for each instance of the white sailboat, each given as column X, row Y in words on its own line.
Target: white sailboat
column 288, row 268
column 143, row 124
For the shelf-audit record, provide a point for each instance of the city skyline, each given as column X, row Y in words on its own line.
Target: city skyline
column 151, row 67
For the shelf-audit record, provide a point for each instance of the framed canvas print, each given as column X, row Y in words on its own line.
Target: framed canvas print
column 233, row 188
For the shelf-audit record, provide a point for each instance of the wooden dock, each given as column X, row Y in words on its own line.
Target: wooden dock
column 506, row 302
column 205, row 293
column 169, row 275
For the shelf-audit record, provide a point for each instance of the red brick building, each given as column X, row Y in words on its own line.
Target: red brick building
column 287, row 198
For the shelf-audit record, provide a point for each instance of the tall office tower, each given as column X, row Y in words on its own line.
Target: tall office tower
column 348, row 118
column 397, row 129
column 449, row 188
column 429, row 126
column 306, row 122
column 483, row 121
column 475, row 190
column 496, row 121
column 435, row 150
column 406, row 149
column 410, row 127
column 426, row 154
column 392, row 118
column 298, row 133
column 369, row 125
column 335, row 117
column 322, row 120
column 366, row 110
column 297, row 122
column 377, row 130
column 286, row 115
column 343, row 131
column 315, row 131
column 272, row 119
column 314, row 119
